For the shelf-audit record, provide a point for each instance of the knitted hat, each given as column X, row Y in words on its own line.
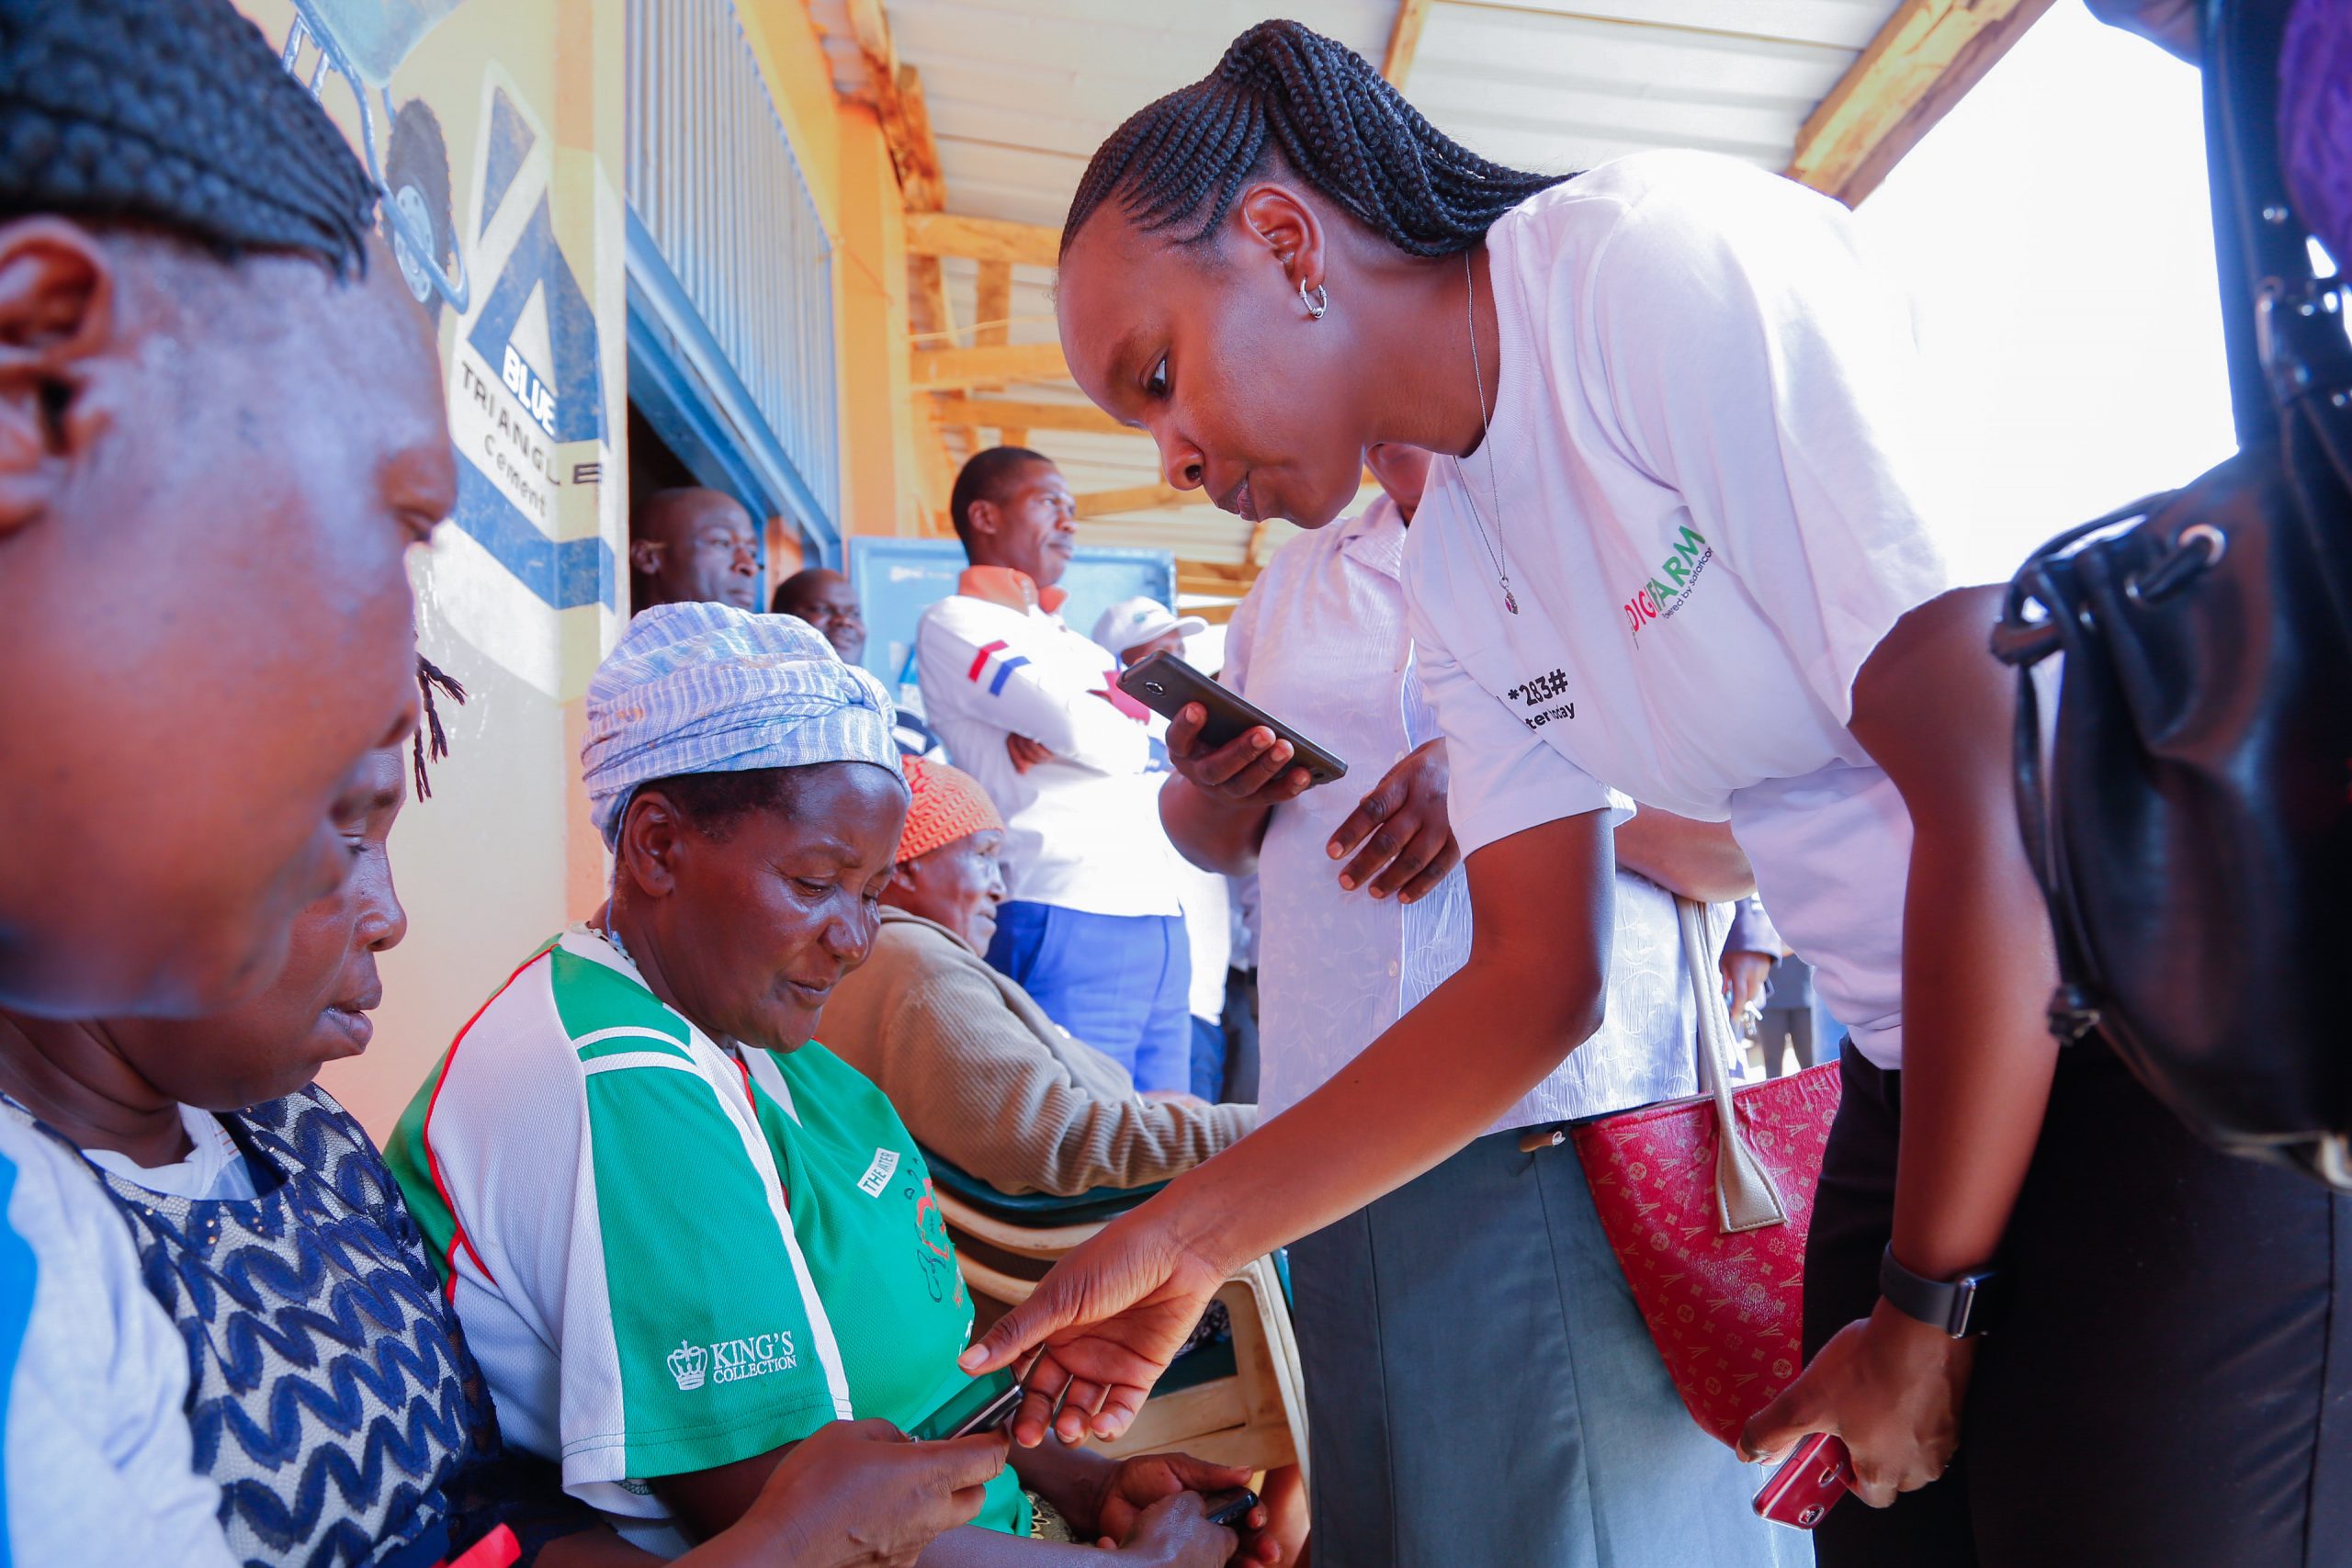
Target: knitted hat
column 702, row 688
column 948, row 805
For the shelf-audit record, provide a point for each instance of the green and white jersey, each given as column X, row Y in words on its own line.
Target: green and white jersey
column 669, row 1257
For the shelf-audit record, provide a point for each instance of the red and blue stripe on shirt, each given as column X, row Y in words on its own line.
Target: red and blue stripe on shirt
column 1004, row 666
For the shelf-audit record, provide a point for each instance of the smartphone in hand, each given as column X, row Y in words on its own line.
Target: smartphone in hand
column 1808, row 1483
column 1164, row 684
column 981, row 1405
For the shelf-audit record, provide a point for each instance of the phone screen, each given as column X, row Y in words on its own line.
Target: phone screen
column 1165, row 684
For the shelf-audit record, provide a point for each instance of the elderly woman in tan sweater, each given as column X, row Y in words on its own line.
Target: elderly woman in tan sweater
column 978, row 1071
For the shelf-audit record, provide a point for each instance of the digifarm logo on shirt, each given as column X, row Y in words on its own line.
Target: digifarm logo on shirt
column 1662, row 595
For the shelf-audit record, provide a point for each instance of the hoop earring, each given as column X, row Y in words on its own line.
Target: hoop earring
column 1318, row 302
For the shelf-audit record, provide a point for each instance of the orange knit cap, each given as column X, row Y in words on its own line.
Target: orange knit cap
column 948, row 803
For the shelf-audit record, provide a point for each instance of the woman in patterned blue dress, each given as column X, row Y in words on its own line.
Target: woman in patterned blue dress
column 330, row 1394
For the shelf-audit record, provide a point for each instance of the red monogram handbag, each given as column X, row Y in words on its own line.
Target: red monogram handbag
column 1710, row 1229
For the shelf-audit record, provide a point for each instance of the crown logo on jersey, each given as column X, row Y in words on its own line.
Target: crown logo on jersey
column 688, row 1364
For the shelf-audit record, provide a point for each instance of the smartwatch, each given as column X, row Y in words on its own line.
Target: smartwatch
column 1962, row 1307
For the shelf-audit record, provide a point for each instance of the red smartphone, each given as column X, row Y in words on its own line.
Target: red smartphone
column 1808, row 1484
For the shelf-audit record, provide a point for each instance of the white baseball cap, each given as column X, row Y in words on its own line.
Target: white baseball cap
column 1131, row 621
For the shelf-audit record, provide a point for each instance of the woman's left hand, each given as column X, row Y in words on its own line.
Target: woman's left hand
column 1408, row 845
column 1134, row 1484
column 1888, row 1385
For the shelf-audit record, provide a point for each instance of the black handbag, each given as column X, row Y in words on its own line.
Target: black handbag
column 2193, row 831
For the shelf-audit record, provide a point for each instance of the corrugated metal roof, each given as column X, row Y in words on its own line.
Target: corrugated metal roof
column 1021, row 92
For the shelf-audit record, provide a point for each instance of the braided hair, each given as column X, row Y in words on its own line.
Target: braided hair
column 173, row 114
column 1284, row 92
column 430, row 678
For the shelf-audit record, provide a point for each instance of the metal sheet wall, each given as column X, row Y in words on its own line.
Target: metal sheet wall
column 713, row 181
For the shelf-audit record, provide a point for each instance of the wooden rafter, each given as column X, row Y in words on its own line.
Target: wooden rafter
column 982, row 239
column 992, row 309
column 1404, row 39
column 1140, row 497
column 1011, row 413
column 871, row 31
column 914, row 152
column 1926, row 57
column 938, row 468
column 951, row 369
column 1215, row 579
column 991, row 317
column 899, row 103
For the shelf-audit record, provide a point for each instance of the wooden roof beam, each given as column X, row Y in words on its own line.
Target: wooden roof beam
column 1215, row 579
column 1926, row 57
column 992, row 311
column 1140, row 497
column 1013, row 414
column 982, row 239
column 955, row 369
column 1404, row 40
column 899, row 103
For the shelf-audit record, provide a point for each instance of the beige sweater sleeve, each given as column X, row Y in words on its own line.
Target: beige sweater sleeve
column 972, row 1081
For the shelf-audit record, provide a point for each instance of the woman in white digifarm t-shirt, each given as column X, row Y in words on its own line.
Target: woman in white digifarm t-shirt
column 1680, row 551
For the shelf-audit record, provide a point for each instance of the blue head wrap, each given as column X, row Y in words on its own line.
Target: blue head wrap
column 704, row 688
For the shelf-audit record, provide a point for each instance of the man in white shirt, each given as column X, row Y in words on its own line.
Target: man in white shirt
column 1094, row 929
column 1135, row 629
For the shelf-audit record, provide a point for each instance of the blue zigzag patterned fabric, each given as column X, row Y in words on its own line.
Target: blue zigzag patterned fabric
column 332, row 1394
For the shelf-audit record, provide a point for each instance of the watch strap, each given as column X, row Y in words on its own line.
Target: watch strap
column 1962, row 1307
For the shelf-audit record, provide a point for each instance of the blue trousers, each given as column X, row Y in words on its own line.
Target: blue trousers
column 1481, row 1389
column 1208, row 1059
column 1118, row 982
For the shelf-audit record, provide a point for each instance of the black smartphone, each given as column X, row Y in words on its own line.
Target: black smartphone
column 1231, row 1509
column 1164, row 684
column 982, row 1405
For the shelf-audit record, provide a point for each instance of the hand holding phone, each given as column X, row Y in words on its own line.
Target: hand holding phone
column 1231, row 748
column 981, row 1405
column 990, row 1416
column 1808, row 1483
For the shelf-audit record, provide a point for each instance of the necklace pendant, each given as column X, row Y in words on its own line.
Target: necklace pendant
column 1509, row 603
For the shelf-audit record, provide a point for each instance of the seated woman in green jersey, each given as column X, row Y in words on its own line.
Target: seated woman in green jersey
column 680, row 1236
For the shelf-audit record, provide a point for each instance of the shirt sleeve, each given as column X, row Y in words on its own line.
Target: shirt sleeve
column 1505, row 780
column 100, row 1464
column 1760, row 365
column 980, row 670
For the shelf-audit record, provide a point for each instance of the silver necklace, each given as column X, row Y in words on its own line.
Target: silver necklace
column 1486, row 441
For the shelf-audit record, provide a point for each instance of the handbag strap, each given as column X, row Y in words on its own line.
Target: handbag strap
column 1746, row 1199
column 2282, row 326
